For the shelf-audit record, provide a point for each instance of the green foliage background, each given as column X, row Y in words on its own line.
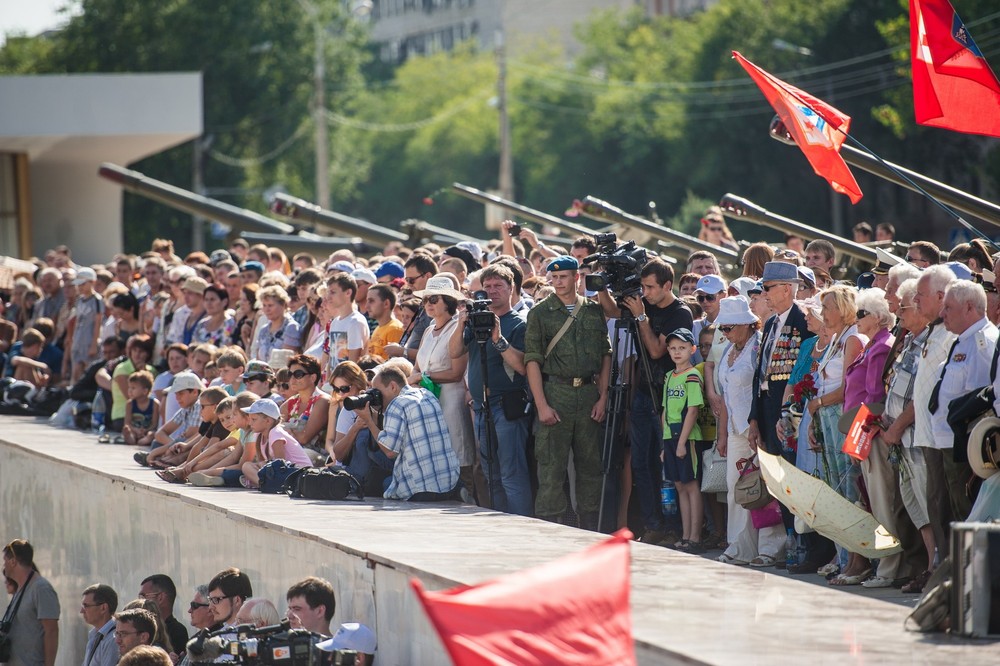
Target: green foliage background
column 651, row 110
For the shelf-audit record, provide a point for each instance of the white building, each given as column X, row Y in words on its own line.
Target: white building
column 405, row 28
column 55, row 130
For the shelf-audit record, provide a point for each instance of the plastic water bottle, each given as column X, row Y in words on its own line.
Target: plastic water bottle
column 668, row 496
column 98, row 412
column 791, row 549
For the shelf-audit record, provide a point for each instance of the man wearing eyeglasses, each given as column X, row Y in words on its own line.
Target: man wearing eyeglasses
column 98, row 609
column 226, row 593
column 200, row 610
column 161, row 589
column 133, row 628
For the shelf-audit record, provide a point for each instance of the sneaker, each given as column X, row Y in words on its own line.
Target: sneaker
column 877, row 581
column 246, row 483
column 204, row 480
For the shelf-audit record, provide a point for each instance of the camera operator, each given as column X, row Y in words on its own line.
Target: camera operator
column 506, row 467
column 311, row 604
column 657, row 312
column 413, row 434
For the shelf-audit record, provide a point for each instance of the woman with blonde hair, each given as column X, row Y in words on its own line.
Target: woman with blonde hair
column 840, row 320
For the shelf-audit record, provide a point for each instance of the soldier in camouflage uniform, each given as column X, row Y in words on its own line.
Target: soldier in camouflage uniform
column 569, row 385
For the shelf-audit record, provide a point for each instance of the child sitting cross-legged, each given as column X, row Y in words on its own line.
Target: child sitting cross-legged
column 219, row 451
column 227, row 472
column 274, row 442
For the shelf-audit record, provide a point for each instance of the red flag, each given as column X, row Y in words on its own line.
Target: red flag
column 818, row 128
column 574, row 610
column 953, row 86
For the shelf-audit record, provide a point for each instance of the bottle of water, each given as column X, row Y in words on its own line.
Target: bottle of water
column 791, row 549
column 98, row 412
column 668, row 496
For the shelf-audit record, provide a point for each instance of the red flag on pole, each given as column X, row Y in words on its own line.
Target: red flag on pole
column 953, row 86
column 574, row 610
column 818, row 128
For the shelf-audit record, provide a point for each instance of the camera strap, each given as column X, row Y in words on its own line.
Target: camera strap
column 8, row 616
column 580, row 302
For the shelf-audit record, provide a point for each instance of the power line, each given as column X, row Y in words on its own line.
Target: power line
column 357, row 123
column 245, row 162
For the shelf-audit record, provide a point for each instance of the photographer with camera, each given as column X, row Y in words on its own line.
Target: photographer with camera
column 656, row 312
column 413, row 433
column 568, row 361
column 29, row 632
column 493, row 329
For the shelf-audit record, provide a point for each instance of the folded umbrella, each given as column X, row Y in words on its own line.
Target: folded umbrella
column 825, row 510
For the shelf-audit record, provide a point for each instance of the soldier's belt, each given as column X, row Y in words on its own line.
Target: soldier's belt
column 575, row 382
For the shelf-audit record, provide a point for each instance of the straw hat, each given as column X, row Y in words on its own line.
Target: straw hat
column 441, row 286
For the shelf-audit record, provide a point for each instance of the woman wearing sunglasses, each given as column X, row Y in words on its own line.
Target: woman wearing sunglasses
column 306, row 414
column 350, row 442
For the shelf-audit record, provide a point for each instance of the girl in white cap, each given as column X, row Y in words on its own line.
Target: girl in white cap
column 273, row 441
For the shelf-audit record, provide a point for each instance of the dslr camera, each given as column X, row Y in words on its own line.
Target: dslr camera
column 620, row 267
column 275, row 645
column 369, row 397
column 481, row 318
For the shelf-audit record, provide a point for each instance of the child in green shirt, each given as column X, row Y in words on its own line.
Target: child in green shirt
column 682, row 399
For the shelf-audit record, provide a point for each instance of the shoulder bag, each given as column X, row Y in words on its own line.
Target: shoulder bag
column 8, row 620
column 750, row 492
column 713, row 476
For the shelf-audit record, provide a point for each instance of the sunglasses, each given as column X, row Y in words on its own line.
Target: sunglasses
column 433, row 300
column 769, row 287
column 411, row 280
column 706, row 298
column 726, row 329
column 195, row 605
column 861, row 314
column 283, row 386
column 299, row 374
column 342, row 389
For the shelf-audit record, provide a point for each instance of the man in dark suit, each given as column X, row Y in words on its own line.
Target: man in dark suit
column 782, row 339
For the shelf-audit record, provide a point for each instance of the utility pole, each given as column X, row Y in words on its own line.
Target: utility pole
column 198, row 185
column 506, row 180
column 322, row 139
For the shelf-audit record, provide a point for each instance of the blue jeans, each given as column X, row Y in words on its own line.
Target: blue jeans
column 512, row 491
column 364, row 458
column 646, row 433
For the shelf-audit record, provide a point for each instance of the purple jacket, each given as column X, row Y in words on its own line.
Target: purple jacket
column 863, row 378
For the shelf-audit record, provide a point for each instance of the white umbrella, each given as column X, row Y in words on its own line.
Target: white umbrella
column 825, row 510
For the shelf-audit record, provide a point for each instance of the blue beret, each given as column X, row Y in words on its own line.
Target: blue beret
column 252, row 266
column 563, row 263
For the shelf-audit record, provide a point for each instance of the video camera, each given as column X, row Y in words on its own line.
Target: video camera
column 274, row 645
column 370, row 396
column 620, row 267
column 481, row 318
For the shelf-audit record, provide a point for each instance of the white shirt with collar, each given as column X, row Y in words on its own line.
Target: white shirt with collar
column 928, row 370
column 106, row 652
column 967, row 369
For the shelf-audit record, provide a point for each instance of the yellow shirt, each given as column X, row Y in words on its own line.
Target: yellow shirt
column 383, row 335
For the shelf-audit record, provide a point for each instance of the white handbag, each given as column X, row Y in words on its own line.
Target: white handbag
column 713, row 476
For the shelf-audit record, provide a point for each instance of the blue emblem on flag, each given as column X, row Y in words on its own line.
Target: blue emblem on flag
column 812, row 117
column 961, row 35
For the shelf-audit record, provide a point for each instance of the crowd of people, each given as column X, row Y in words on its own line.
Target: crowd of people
column 145, row 632
column 491, row 374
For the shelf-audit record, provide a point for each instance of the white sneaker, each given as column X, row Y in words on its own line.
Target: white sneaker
column 877, row 581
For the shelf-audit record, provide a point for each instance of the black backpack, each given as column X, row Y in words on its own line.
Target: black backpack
column 324, row 483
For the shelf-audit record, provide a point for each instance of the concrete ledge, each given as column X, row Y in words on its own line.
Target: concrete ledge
column 94, row 515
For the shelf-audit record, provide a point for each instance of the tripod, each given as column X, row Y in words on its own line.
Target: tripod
column 618, row 390
column 492, row 447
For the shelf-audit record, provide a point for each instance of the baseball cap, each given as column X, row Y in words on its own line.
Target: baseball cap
column 364, row 275
column 195, row 284
column 351, row 636
column 710, row 284
column 390, row 268
column 185, row 381
column 218, row 256
column 264, row 406
column 343, row 266
column 683, row 334
column 85, row 275
column 252, row 266
column 257, row 368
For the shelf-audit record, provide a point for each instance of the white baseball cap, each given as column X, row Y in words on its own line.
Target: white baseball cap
column 264, row 406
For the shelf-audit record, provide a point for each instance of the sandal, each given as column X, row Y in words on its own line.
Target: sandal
column 763, row 562
column 104, row 439
column 118, row 440
column 727, row 559
column 166, row 475
column 844, row 580
column 917, row 585
column 828, row 569
column 692, row 547
column 877, row 581
column 140, row 457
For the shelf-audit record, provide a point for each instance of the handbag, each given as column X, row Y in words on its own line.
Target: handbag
column 272, row 476
column 515, row 404
column 767, row 516
column 713, row 475
column 8, row 619
column 750, row 492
